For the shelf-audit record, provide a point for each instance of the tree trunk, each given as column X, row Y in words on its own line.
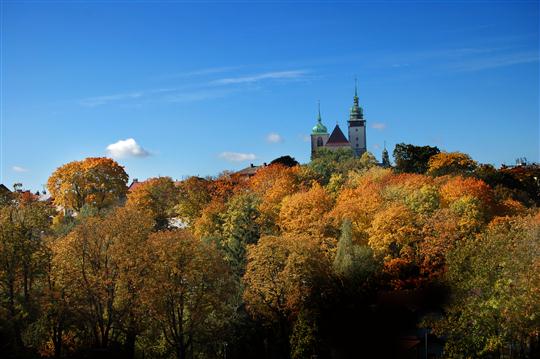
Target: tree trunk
column 131, row 337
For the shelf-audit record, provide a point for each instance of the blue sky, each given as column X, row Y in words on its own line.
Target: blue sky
column 198, row 88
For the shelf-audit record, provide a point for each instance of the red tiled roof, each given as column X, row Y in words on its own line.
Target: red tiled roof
column 134, row 185
column 337, row 138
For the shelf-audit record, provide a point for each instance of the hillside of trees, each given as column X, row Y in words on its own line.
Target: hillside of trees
column 342, row 257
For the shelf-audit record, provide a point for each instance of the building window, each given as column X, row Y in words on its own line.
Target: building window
column 356, row 139
column 356, row 129
column 319, row 142
column 357, row 145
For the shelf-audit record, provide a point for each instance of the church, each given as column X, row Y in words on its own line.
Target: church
column 356, row 132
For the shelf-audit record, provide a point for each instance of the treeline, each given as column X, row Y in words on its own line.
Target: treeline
column 339, row 258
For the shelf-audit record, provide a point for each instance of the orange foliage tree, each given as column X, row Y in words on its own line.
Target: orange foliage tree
column 99, row 182
column 305, row 212
column 453, row 163
column 101, row 265
column 272, row 184
column 157, row 195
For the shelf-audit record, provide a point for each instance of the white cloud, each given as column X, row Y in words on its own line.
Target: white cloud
column 378, row 126
column 263, row 76
column 19, row 169
column 126, row 148
column 305, row 138
column 199, row 72
column 274, row 138
column 122, row 97
column 237, row 156
column 102, row 100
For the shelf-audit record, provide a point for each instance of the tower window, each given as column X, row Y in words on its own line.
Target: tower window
column 319, row 142
column 356, row 129
column 356, row 139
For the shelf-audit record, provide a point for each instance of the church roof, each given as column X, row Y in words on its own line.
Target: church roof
column 337, row 138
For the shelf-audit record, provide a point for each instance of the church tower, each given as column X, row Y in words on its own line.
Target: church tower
column 357, row 126
column 319, row 134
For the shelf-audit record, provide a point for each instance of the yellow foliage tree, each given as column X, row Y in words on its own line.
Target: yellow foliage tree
column 99, row 182
column 101, row 266
column 191, row 292
column 272, row 184
column 305, row 212
column 157, row 195
column 282, row 273
column 446, row 163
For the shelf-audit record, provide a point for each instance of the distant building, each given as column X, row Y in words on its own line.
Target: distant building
column 356, row 132
column 248, row 172
column 3, row 189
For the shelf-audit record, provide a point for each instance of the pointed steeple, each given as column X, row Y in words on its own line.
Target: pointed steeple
column 357, row 113
column 355, row 89
column 319, row 128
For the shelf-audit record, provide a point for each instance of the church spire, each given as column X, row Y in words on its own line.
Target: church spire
column 319, row 128
column 356, row 111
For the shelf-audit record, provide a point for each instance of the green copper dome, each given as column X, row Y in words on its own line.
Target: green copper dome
column 319, row 128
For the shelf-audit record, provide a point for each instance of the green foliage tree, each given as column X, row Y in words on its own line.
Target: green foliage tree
column 194, row 195
column 23, row 262
column 495, row 283
column 385, row 158
column 413, row 159
column 354, row 264
column 286, row 161
column 239, row 229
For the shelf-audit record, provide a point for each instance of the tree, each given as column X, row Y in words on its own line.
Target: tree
column 413, row 159
column 367, row 160
column 23, row 225
column 286, row 161
column 495, row 284
column 327, row 162
column 451, row 163
column 272, row 184
column 99, row 264
column 99, row 182
column 239, row 229
column 191, row 293
column 360, row 200
column 283, row 275
column 157, row 195
column 353, row 263
column 385, row 158
column 458, row 187
column 194, row 194
column 305, row 212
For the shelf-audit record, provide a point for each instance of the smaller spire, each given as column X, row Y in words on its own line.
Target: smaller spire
column 319, row 119
column 355, row 86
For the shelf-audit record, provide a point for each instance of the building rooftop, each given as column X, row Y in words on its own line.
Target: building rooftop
column 337, row 138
